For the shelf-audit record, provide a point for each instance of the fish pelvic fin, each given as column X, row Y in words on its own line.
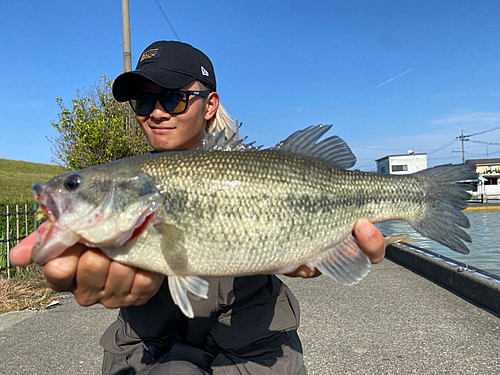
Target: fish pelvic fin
column 332, row 150
column 441, row 215
column 345, row 262
column 179, row 287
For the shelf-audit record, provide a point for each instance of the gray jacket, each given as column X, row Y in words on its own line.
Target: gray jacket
column 247, row 325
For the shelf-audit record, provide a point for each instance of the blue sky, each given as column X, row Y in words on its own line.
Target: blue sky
column 389, row 75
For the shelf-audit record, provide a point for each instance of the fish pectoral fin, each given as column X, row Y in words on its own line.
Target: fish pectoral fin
column 179, row 287
column 345, row 262
column 172, row 245
column 172, row 238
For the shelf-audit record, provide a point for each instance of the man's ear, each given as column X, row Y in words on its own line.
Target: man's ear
column 212, row 103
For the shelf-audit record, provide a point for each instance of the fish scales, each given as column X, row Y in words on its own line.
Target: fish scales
column 254, row 212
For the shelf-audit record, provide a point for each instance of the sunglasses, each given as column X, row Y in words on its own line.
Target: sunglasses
column 172, row 101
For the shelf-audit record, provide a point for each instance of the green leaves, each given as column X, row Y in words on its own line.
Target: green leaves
column 96, row 129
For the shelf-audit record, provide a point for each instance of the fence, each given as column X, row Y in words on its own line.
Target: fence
column 14, row 226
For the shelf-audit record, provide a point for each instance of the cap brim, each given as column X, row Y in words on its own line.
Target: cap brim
column 126, row 85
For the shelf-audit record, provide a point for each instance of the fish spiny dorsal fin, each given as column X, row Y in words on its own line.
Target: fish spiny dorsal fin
column 332, row 150
column 218, row 141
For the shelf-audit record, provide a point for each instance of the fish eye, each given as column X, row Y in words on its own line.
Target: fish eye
column 72, row 182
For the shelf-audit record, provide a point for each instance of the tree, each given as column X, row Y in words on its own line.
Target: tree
column 96, row 129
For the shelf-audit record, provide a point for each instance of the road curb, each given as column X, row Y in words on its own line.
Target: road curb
column 475, row 285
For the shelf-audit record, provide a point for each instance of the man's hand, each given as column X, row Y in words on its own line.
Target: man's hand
column 92, row 277
column 369, row 239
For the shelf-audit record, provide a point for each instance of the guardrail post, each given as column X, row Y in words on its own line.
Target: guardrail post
column 25, row 220
column 8, row 244
column 17, row 224
column 35, row 207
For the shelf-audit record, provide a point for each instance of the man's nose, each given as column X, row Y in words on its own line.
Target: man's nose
column 158, row 110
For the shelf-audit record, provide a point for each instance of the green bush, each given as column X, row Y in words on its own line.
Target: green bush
column 96, row 129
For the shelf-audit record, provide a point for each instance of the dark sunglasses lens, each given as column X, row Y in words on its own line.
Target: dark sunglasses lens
column 143, row 105
column 174, row 101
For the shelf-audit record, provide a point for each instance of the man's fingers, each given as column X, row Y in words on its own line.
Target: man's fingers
column 60, row 272
column 370, row 240
column 145, row 285
column 91, row 274
column 20, row 255
column 117, row 285
column 304, row 271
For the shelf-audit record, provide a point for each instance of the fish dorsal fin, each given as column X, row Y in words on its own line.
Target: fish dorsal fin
column 217, row 141
column 332, row 150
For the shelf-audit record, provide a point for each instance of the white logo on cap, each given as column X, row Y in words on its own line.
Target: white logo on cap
column 204, row 71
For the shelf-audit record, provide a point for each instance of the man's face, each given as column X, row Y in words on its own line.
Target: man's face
column 184, row 131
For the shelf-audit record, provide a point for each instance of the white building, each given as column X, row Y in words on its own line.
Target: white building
column 402, row 164
column 489, row 170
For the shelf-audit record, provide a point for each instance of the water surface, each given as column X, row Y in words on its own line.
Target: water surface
column 484, row 231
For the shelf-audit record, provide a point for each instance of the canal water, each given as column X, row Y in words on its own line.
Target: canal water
column 484, row 231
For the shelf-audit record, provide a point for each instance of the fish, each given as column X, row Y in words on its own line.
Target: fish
column 235, row 209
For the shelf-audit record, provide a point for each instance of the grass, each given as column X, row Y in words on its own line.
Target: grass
column 31, row 292
column 16, row 178
column 27, row 288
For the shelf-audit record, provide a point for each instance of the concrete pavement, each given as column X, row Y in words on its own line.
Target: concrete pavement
column 393, row 322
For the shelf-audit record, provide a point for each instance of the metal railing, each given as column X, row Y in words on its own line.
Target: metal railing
column 14, row 226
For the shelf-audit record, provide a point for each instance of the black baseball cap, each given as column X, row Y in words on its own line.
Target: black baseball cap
column 170, row 64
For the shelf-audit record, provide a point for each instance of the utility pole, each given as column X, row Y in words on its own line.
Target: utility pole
column 463, row 138
column 127, row 54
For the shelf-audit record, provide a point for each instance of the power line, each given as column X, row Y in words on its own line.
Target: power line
column 441, row 147
column 486, row 131
column 486, row 143
column 165, row 16
column 463, row 138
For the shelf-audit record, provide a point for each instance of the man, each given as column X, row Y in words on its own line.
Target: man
column 247, row 324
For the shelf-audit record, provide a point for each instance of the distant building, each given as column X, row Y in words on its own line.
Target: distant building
column 489, row 169
column 402, row 164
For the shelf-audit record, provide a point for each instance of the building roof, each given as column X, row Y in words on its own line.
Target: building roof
column 491, row 161
column 393, row 156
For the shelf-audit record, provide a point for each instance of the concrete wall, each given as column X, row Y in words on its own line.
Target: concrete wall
column 475, row 285
column 402, row 164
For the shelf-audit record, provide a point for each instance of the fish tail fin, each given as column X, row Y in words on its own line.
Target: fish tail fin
column 441, row 215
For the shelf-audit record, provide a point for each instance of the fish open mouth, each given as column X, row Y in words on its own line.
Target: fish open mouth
column 47, row 204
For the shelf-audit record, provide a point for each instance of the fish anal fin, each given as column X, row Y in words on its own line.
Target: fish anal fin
column 179, row 287
column 344, row 262
column 397, row 238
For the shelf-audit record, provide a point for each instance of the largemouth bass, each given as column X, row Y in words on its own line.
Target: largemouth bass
column 231, row 209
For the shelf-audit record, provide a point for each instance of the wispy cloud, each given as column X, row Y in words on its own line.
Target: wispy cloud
column 393, row 78
column 469, row 119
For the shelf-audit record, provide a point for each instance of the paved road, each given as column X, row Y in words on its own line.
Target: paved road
column 392, row 322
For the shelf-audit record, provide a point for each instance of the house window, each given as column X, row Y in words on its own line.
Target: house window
column 399, row 168
column 491, row 181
